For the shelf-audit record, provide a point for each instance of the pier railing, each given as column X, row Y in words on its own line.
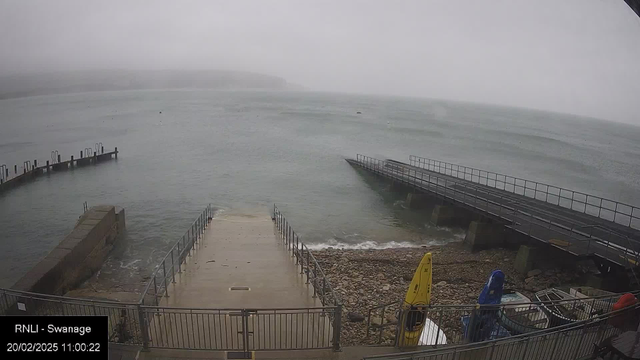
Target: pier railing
column 459, row 324
column 611, row 210
column 32, row 169
column 269, row 329
column 165, row 272
column 309, row 266
column 150, row 325
column 567, row 342
column 600, row 241
column 241, row 330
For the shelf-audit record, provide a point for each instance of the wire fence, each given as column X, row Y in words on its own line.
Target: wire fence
column 568, row 342
column 580, row 240
column 611, row 210
column 171, row 264
column 459, row 324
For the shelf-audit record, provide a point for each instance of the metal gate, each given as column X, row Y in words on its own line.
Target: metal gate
column 242, row 330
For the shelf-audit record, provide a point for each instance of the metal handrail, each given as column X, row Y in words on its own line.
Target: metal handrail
column 476, row 176
column 309, row 265
column 576, row 227
column 601, row 321
column 190, row 237
column 552, row 302
column 139, row 319
column 450, row 189
column 314, row 273
column 66, row 299
column 600, row 305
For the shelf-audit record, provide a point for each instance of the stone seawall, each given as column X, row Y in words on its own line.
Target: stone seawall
column 79, row 255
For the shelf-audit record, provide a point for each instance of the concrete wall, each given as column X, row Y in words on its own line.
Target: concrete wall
column 79, row 255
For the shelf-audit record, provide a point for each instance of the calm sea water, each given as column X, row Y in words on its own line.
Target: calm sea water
column 242, row 150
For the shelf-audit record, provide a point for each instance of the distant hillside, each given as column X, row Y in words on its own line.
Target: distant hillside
column 82, row 81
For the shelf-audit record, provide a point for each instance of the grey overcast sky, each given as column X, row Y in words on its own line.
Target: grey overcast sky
column 574, row 56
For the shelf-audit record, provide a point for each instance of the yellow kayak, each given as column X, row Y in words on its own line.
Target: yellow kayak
column 415, row 303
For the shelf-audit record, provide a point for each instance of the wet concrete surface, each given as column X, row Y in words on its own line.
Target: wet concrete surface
column 241, row 263
column 241, row 290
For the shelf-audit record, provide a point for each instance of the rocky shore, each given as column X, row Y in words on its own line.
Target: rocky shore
column 364, row 279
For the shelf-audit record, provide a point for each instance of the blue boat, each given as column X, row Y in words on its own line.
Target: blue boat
column 483, row 323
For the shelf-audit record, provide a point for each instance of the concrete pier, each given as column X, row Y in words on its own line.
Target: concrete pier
column 79, row 255
column 240, row 264
column 418, row 201
column 444, row 215
column 484, row 235
column 30, row 170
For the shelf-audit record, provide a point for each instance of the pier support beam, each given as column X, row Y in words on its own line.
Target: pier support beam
column 445, row 215
column 526, row 258
column 417, row 201
column 398, row 186
column 484, row 235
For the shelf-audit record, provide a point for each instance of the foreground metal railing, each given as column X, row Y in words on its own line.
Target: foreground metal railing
column 604, row 242
column 308, row 264
column 166, row 271
column 243, row 330
column 567, row 342
column 459, row 324
column 310, row 267
column 125, row 325
column 611, row 210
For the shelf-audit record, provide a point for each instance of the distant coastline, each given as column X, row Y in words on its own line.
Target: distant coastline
column 18, row 86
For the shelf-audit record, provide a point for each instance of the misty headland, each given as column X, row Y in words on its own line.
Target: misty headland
column 16, row 86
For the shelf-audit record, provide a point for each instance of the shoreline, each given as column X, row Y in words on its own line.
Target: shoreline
column 367, row 278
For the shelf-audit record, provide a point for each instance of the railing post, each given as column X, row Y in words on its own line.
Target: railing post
column 173, row 268
column 337, row 327
column 155, row 289
column 188, row 246
column 315, row 278
column 179, row 260
column 324, row 289
column 144, row 328
column 308, row 266
column 292, row 243
column 164, row 275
